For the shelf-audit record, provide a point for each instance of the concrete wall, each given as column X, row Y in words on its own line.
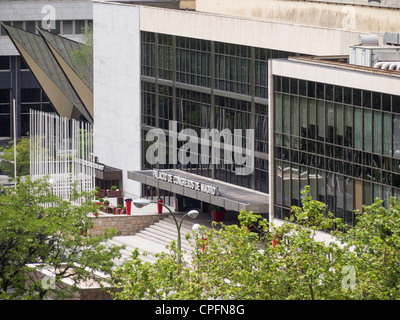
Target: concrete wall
column 64, row 10
column 117, row 89
column 264, row 34
column 325, row 15
column 124, row 224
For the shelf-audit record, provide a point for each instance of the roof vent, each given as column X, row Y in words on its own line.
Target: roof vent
column 368, row 40
column 391, row 38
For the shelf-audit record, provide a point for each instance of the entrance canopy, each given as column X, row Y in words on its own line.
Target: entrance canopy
column 228, row 196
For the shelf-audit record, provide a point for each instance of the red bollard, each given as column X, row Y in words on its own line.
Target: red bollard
column 159, row 206
column 128, row 205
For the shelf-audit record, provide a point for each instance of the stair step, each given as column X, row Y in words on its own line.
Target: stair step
column 165, row 239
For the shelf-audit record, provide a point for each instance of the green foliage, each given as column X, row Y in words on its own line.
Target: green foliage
column 23, row 157
column 286, row 261
column 83, row 59
column 38, row 227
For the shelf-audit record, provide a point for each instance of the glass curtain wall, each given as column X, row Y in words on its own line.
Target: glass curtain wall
column 345, row 145
column 204, row 84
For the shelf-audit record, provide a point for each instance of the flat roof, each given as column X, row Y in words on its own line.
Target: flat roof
column 342, row 63
column 226, row 195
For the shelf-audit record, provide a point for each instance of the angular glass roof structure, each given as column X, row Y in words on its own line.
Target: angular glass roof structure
column 51, row 60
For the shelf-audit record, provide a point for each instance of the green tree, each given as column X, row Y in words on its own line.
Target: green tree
column 83, row 58
column 260, row 260
column 37, row 227
column 373, row 250
column 23, row 157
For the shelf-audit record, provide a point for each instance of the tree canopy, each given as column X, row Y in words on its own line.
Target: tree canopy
column 23, row 160
column 261, row 260
column 38, row 229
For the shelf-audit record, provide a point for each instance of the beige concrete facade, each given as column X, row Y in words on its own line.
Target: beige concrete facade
column 245, row 31
column 320, row 14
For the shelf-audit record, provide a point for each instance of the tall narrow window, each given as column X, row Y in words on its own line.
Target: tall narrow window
column 303, row 117
column 377, row 132
column 348, row 126
column 358, row 128
column 312, row 119
column 396, row 136
column 294, row 110
column 278, row 112
column 295, row 185
column 286, row 185
column 339, row 199
column 367, row 130
column 387, row 134
column 286, row 114
column 348, row 201
column 321, row 185
column 330, row 122
column 339, row 124
column 321, row 120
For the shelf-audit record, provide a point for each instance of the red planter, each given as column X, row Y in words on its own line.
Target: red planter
column 159, row 206
column 219, row 215
column 113, row 194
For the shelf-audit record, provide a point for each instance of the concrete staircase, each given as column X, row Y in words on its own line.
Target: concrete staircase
column 154, row 239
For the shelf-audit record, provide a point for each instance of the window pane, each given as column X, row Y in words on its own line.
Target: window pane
column 357, row 128
column 377, row 132
column 286, row 185
column 278, row 112
column 286, row 113
column 30, row 26
column 312, row 119
column 396, row 136
column 4, row 95
column 313, row 183
column 4, row 63
column 56, row 30
column 30, row 95
column 79, row 26
column 367, row 130
column 3, row 31
column 348, row 201
column 278, row 184
column 18, row 24
column 339, row 196
column 294, row 103
column 330, row 122
column 303, row 117
column 339, row 124
column 348, row 122
column 321, row 120
column 367, row 193
column 387, row 134
column 67, row 27
column 321, row 185
column 5, row 126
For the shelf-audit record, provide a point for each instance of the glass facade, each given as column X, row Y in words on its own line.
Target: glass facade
column 204, row 84
column 343, row 142
column 27, row 94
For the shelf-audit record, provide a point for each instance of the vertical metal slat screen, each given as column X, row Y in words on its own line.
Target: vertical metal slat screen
column 62, row 150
